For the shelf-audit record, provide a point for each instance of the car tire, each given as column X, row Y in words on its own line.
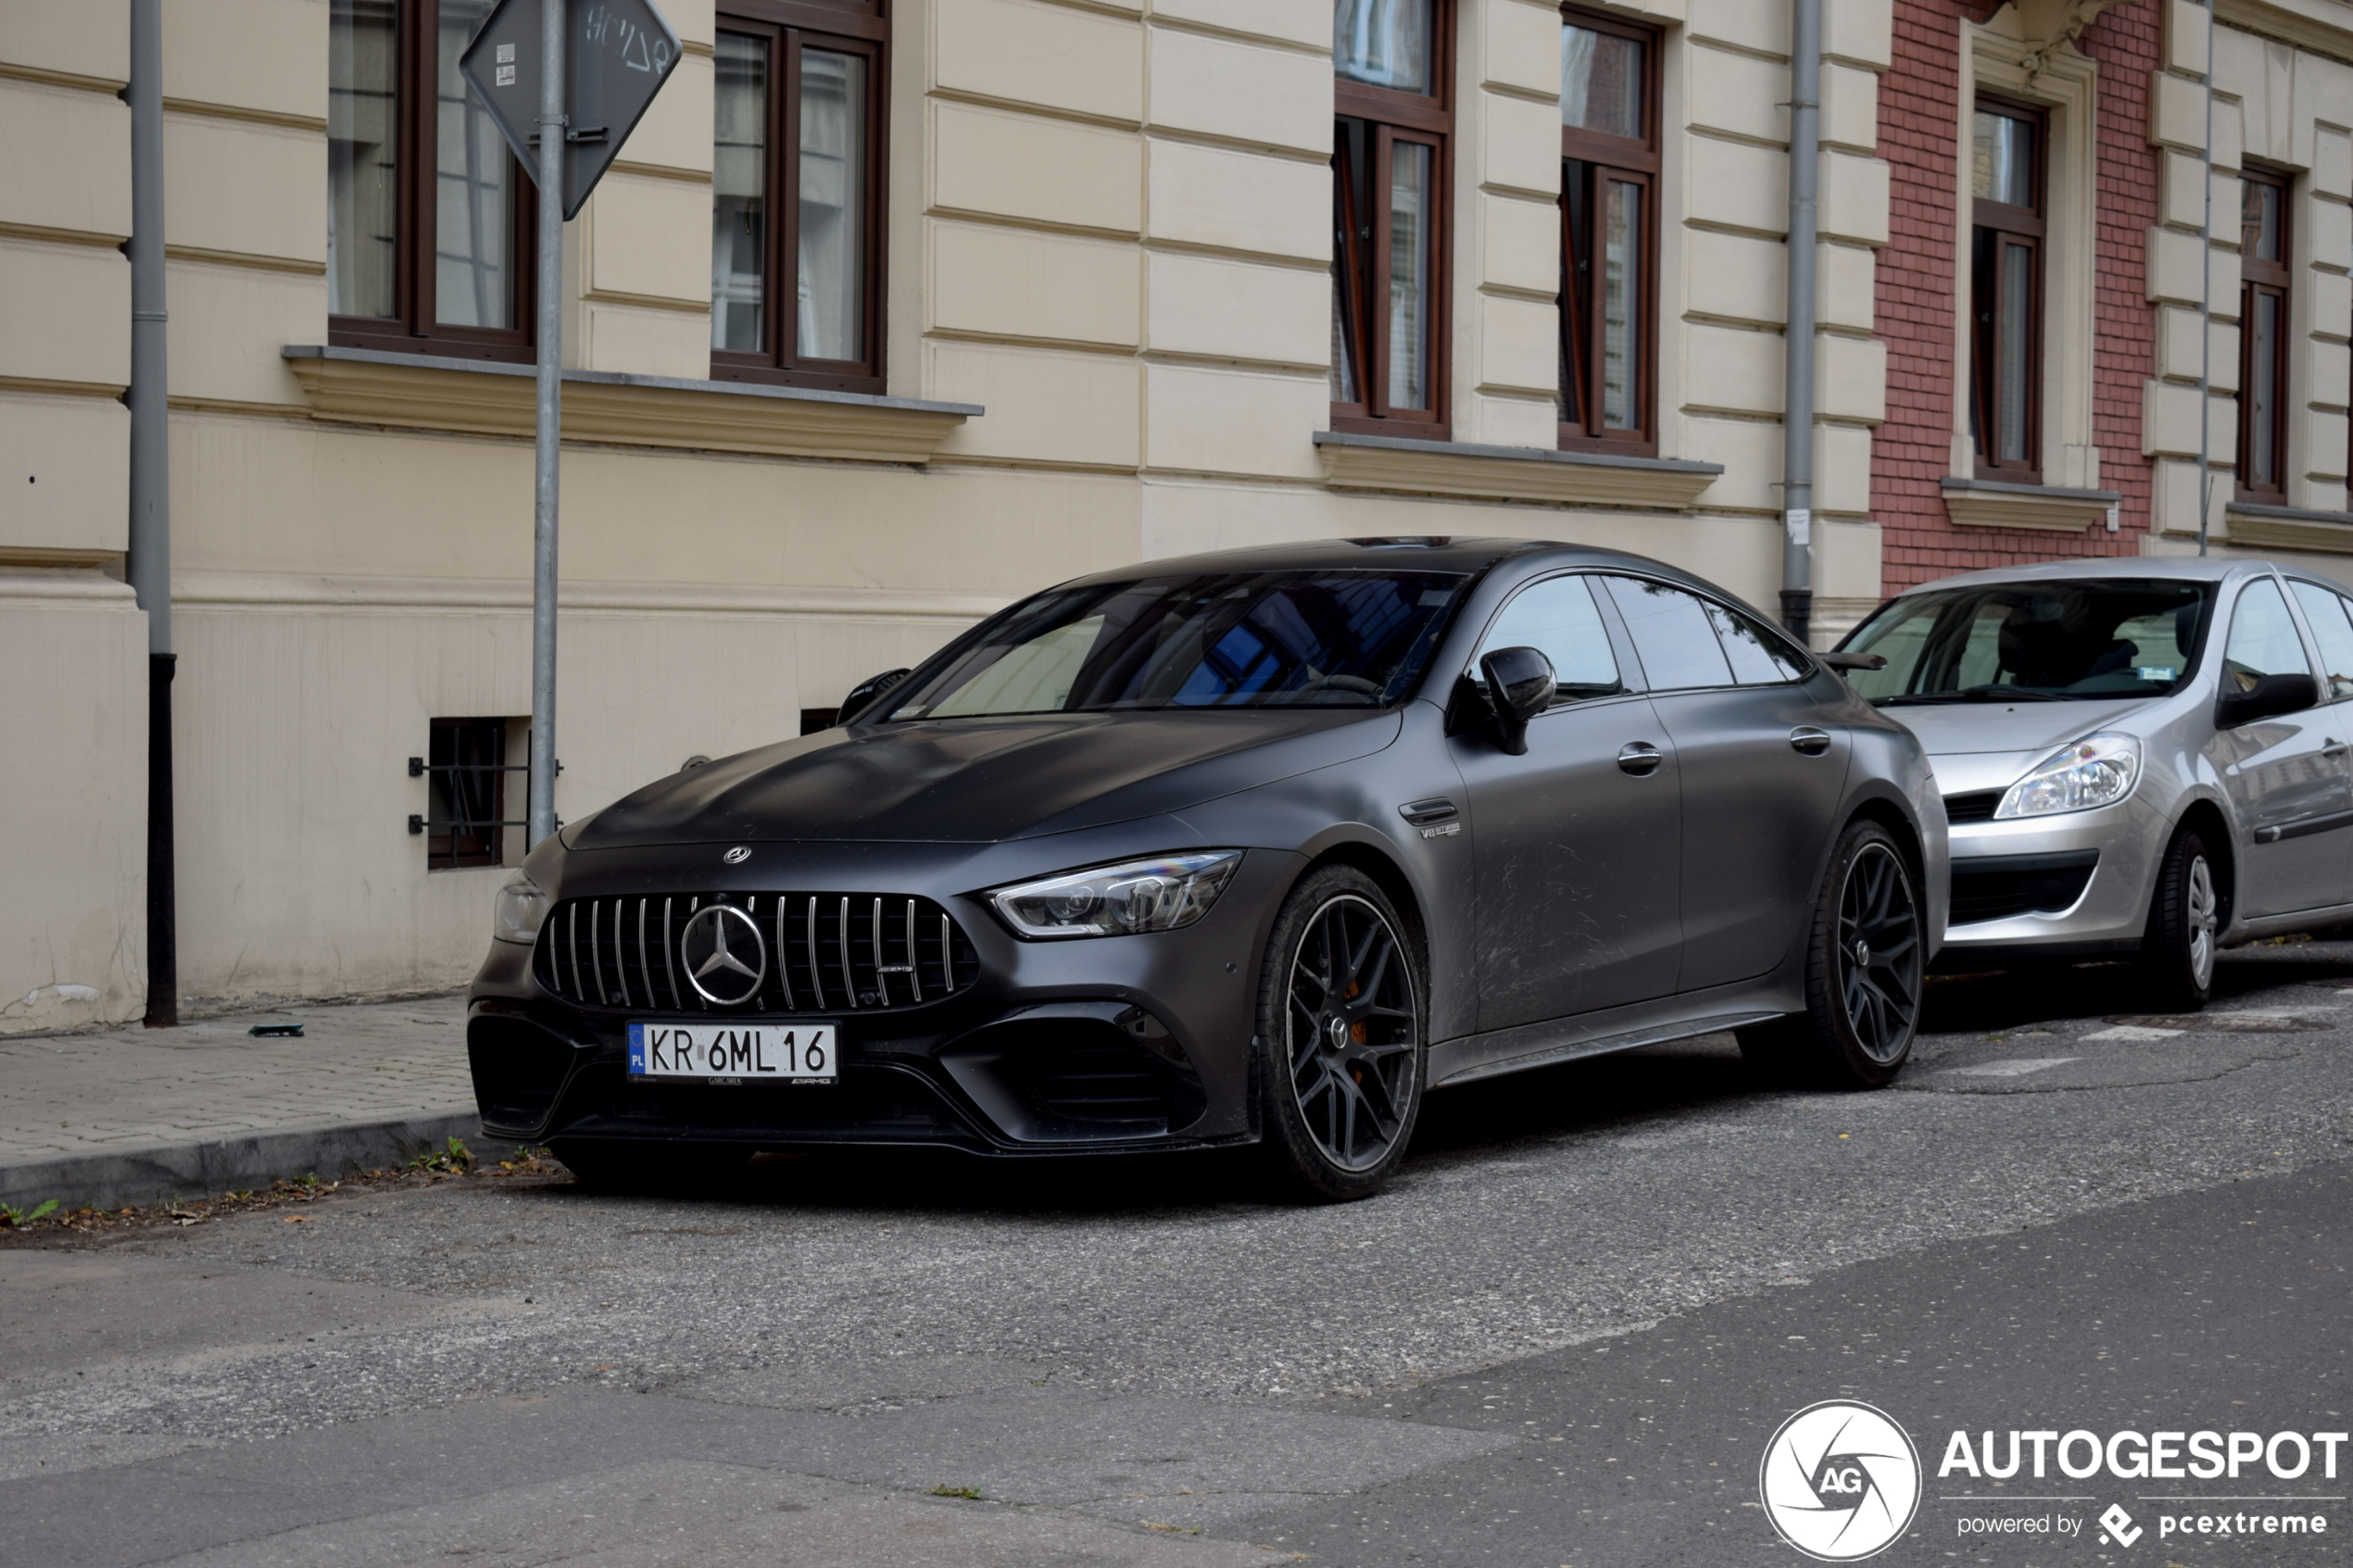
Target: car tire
column 1865, row 973
column 1344, row 1028
column 652, row 1165
column 2177, row 951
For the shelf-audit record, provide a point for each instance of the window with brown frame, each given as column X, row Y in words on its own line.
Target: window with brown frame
column 428, row 214
column 1395, row 116
column 2263, row 335
column 1609, row 219
column 796, row 194
column 2005, row 290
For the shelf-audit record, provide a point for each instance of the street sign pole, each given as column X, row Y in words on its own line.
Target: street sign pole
column 553, row 14
column 565, row 107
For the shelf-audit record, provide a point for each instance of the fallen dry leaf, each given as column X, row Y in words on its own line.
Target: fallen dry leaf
column 296, row 1220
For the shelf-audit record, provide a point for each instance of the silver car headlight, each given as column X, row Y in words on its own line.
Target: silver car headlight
column 1164, row 892
column 2094, row 771
column 520, row 912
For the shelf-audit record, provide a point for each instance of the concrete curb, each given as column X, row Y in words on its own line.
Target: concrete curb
column 159, row 1173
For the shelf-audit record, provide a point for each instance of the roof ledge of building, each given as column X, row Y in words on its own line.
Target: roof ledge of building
column 1510, row 473
column 1990, row 503
column 421, row 392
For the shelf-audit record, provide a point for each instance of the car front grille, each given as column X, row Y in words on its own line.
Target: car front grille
column 1978, row 806
column 827, row 953
column 1993, row 887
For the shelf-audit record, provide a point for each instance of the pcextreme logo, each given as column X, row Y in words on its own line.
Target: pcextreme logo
column 1841, row 1481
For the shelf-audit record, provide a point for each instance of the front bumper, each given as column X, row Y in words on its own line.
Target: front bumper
column 2076, row 884
column 1099, row 1044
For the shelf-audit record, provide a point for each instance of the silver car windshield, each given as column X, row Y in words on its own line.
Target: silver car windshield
column 2047, row 641
column 1324, row 639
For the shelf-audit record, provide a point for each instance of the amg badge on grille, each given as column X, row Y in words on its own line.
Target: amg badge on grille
column 726, row 959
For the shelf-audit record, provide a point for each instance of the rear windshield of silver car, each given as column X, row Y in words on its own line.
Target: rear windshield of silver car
column 2036, row 640
column 1316, row 639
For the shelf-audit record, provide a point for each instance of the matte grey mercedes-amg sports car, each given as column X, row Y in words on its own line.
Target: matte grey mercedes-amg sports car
column 1254, row 847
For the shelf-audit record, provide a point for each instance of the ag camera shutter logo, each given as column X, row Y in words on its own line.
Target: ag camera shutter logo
column 1841, row 1481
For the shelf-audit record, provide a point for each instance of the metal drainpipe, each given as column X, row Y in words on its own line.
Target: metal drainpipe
column 1797, row 399
column 2206, row 305
column 150, row 561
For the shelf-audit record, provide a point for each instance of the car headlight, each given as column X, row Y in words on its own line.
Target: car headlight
column 520, row 910
column 1164, row 892
column 2098, row 770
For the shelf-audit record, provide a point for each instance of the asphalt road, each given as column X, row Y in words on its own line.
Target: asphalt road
column 1564, row 1336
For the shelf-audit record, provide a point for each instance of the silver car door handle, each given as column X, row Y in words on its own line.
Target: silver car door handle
column 1640, row 759
column 1809, row 740
column 2335, row 747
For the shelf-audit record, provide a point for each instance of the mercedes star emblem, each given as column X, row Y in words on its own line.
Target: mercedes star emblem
column 738, row 854
column 725, row 960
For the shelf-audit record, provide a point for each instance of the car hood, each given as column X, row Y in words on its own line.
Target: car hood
column 983, row 780
column 1959, row 728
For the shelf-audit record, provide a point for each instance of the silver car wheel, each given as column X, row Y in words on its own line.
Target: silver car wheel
column 2201, row 923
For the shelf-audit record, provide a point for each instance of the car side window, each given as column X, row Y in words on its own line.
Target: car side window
column 1558, row 617
column 2325, row 611
column 2263, row 640
column 1760, row 656
column 1672, row 634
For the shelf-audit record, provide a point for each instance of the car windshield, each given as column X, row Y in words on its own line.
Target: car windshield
column 2033, row 641
column 1315, row 639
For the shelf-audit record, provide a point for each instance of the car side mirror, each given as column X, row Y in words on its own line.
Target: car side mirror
column 1519, row 685
column 2270, row 695
column 868, row 692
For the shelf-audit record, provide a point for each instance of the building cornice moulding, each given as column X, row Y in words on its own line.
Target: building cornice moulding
column 310, row 592
column 2325, row 27
column 1510, row 473
column 1985, row 503
column 483, row 398
column 2289, row 528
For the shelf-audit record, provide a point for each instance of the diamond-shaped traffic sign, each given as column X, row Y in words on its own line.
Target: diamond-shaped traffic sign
column 617, row 55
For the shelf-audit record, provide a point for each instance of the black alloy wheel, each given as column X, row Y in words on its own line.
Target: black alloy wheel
column 1865, row 973
column 2185, row 918
column 1341, row 1019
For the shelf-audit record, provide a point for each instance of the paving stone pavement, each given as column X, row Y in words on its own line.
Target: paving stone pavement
column 132, row 1114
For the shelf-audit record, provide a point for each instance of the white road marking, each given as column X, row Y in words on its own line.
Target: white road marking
column 2134, row 1032
column 2018, row 1067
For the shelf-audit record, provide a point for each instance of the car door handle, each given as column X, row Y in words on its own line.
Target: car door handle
column 1640, row 759
column 1809, row 740
column 2335, row 747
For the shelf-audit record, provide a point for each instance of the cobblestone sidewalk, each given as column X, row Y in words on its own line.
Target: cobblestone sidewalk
column 135, row 1114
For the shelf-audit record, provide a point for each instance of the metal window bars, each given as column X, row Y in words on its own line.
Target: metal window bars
column 467, row 766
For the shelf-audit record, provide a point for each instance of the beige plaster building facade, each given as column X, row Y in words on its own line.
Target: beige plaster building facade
column 1069, row 286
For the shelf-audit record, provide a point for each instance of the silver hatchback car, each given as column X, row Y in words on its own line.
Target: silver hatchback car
column 2140, row 755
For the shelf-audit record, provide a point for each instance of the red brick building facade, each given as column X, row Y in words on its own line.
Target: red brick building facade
column 1921, row 126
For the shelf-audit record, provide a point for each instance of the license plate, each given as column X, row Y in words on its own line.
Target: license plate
column 735, row 1053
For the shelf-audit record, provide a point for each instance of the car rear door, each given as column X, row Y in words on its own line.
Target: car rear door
column 1576, row 845
column 2286, row 775
column 1761, row 757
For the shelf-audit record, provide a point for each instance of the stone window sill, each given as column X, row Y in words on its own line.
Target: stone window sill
column 414, row 391
column 2289, row 528
column 1509, row 473
column 1992, row 502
